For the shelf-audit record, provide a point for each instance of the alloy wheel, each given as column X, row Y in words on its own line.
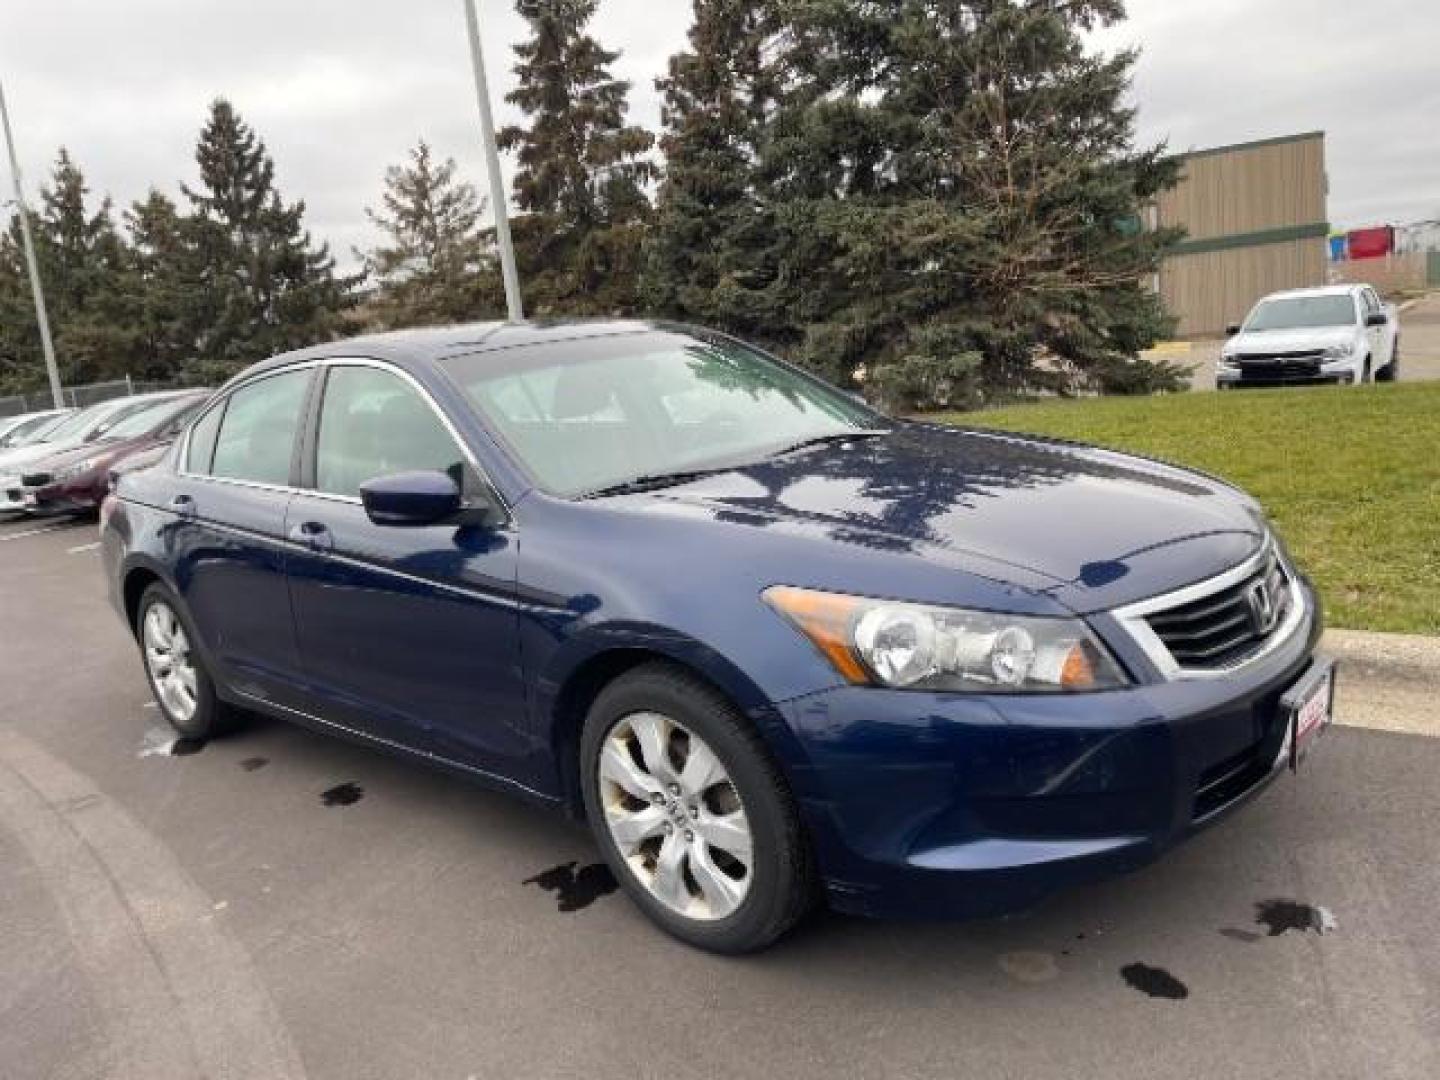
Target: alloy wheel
column 167, row 658
column 676, row 816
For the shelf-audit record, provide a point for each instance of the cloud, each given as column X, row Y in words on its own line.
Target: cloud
column 339, row 89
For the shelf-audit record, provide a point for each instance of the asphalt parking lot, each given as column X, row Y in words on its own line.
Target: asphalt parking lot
column 280, row 904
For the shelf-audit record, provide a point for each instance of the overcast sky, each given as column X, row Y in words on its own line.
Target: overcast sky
column 340, row 88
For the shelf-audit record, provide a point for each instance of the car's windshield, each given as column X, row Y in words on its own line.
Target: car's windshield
column 109, row 414
column 587, row 414
column 147, row 419
column 74, row 425
column 1302, row 312
column 32, row 428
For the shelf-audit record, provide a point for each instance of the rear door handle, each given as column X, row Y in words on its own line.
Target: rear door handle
column 314, row 535
column 184, row 505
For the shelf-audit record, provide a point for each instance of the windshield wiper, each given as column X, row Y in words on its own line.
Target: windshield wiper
column 833, row 437
column 652, row 481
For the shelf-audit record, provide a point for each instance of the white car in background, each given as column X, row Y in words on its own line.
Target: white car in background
column 27, row 427
column 1336, row 334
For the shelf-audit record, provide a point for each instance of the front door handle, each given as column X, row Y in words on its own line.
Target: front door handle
column 313, row 534
column 184, row 505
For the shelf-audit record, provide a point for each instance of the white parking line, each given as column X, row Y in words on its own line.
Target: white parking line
column 34, row 532
column 83, row 547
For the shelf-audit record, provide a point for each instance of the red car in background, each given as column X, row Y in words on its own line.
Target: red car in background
column 77, row 480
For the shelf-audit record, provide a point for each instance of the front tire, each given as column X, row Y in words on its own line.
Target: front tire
column 1391, row 371
column 183, row 687
column 691, row 812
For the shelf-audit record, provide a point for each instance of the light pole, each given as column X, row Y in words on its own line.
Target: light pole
column 46, row 344
column 492, row 166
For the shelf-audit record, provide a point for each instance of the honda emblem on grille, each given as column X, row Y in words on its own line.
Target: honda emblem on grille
column 1263, row 614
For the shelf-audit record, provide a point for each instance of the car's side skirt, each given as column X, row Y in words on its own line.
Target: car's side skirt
column 329, row 727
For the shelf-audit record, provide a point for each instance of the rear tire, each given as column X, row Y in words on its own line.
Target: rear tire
column 183, row 687
column 647, row 736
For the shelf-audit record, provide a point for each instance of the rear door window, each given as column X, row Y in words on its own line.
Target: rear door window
column 256, row 439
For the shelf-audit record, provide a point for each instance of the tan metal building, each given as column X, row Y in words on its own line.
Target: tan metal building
column 1255, row 222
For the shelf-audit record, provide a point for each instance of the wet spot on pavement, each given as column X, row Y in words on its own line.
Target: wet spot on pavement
column 576, row 889
column 253, row 764
column 1281, row 916
column 1154, row 982
column 1233, row 934
column 347, row 794
column 1029, row 967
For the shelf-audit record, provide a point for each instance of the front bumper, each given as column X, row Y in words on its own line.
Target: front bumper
column 12, row 495
column 941, row 805
column 80, row 495
column 1330, row 374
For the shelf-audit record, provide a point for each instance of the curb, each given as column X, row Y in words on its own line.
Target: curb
column 1410, row 657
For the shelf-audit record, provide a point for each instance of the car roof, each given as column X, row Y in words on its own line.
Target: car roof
column 437, row 342
column 1319, row 290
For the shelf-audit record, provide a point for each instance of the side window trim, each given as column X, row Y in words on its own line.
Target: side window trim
column 219, row 409
column 302, row 468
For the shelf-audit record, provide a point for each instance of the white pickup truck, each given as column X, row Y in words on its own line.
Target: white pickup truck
column 1337, row 334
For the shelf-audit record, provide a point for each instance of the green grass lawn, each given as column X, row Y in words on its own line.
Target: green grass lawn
column 1350, row 476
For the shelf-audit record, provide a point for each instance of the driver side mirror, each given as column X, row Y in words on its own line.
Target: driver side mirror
column 1232, row 329
column 426, row 498
column 410, row 498
column 1377, row 318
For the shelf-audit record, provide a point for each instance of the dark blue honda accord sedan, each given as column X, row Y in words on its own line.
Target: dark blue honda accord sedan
column 773, row 645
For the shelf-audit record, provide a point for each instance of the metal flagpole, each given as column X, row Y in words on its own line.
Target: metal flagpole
column 40, row 317
column 492, row 166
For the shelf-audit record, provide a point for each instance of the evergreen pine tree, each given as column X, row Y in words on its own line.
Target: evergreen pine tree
column 956, row 188
column 84, row 269
column 165, row 271
column 264, row 286
column 708, row 254
column 582, row 175
column 21, row 364
column 436, row 265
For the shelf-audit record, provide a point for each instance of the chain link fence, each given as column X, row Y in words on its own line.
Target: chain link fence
column 77, row 396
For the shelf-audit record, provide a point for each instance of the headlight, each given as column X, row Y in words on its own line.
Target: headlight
column 920, row 647
column 1337, row 352
column 1227, row 360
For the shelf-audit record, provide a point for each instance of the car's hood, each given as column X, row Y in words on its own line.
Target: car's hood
column 106, row 449
column 1091, row 527
column 1267, row 342
column 10, row 460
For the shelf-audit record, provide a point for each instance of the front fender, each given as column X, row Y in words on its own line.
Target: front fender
column 636, row 640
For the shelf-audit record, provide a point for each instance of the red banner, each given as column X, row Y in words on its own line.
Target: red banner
column 1371, row 243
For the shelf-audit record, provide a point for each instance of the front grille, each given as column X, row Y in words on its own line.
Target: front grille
column 1273, row 367
column 1224, row 627
column 1301, row 354
column 35, row 479
column 1279, row 370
